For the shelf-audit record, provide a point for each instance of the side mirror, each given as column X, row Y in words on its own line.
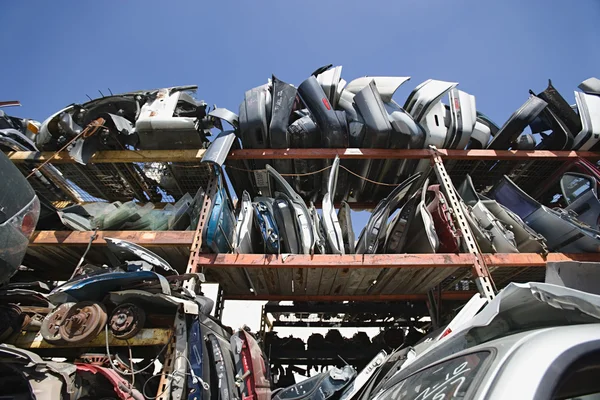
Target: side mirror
column 573, row 186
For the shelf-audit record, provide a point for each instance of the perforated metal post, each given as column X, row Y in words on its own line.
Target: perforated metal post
column 196, row 248
column 480, row 271
column 220, row 304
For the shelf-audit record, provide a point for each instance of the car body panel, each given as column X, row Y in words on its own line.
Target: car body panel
column 421, row 100
column 581, row 200
column 503, row 239
column 561, row 231
column 301, row 214
column 250, row 363
column 19, row 205
column 345, row 220
column 305, row 134
column 245, row 238
column 127, row 251
column 373, row 234
column 267, row 226
column 517, row 122
column 590, row 86
column 159, row 127
column 218, row 233
column 318, row 387
column 561, row 137
column 219, row 149
column 331, row 225
column 442, row 220
column 386, row 85
column 560, row 108
column 285, row 219
column 284, row 97
column 330, row 82
column 589, row 112
column 378, row 131
column 463, row 116
column 254, row 122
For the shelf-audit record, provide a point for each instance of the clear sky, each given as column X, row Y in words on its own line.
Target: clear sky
column 56, row 52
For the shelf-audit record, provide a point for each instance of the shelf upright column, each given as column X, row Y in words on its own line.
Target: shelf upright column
column 196, row 247
column 482, row 276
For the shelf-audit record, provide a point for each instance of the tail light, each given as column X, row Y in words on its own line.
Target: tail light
column 26, row 220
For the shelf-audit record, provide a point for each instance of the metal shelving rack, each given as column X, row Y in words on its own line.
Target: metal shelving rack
column 338, row 278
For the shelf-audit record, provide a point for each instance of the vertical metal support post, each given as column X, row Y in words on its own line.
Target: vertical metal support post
column 220, row 304
column 173, row 380
column 196, row 248
column 480, row 271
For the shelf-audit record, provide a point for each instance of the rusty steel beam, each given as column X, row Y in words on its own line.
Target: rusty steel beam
column 459, row 296
column 334, row 261
column 130, row 156
column 110, row 156
column 523, row 260
column 245, row 154
column 146, row 337
column 144, row 238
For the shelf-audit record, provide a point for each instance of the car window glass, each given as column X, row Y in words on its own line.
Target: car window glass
column 448, row 380
column 579, row 380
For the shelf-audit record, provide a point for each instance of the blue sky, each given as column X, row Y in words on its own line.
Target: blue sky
column 56, row 52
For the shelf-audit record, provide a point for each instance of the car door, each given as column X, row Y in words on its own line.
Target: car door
column 580, row 192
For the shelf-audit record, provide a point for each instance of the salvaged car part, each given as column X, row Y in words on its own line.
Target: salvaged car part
column 420, row 234
column 302, row 220
column 386, row 85
column 83, row 322
column 590, row 86
column 169, row 119
column 305, row 134
column 345, row 220
column 331, row 225
column 286, row 222
column 52, row 322
column 463, row 116
column 364, row 376
column 251, row 367
column 221, row 365
column 422, row 99
column 11, row 320
column 318, row 232
column 245, row 237
column 25, row 375
column 219, row 230
column 503, row 239
column 319, row 387
column 283, row 99
column 527, row 240
column 126, row 321
column 254, row 121
column 265, row 220
column 560, row 138
column 19, row 214
column 219, row 149
column 580, row 192
column 378, row 130
column 442, row 221
column 373, row 234
column 513, row 127
column 331, row 123
column 560, row 108
column 121, row 386
column 332, row 83
column 589, row 111
column 561, row 231
column 127, row 251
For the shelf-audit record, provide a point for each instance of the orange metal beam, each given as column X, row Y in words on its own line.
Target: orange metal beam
column 408, row 154
column 144, row 238
column 466, row 295
column 335, row 261
column 129, row 156
column 524, row 260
